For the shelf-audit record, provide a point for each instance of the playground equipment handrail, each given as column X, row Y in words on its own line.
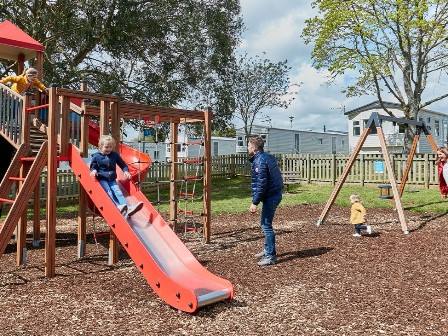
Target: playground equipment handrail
column 13, row 93
column 11, row 105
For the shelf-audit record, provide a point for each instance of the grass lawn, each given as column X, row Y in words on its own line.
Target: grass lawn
column 233, row 196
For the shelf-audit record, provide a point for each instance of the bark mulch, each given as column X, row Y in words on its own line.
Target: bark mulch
column 325, row 283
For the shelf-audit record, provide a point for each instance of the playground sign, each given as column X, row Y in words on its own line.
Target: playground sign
column 378, row 167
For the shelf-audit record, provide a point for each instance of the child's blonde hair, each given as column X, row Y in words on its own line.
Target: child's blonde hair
column 355, row 198
column 106, row 139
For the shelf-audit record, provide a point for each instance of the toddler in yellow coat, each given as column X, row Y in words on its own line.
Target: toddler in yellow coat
column 22, row 83
column 357, row 216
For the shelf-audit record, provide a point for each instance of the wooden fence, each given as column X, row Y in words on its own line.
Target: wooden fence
column 366, row 169
column 309, row 168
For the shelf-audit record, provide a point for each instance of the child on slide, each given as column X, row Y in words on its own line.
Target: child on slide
column 442, row 169
column 103, row 167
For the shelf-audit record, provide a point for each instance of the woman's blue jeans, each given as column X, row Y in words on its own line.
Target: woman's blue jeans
column 114, row 191
column 270, row 204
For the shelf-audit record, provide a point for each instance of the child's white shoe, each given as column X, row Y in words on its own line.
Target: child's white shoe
column 356, row 235
column 369, row 229
column 123, row 208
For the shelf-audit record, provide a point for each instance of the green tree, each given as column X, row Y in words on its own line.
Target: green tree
column 154, row 51
column 390, row 46
column 253, row 85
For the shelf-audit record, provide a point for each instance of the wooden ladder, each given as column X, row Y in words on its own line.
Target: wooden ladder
column 31, row 168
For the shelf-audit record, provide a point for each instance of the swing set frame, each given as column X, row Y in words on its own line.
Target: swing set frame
column 375, row 122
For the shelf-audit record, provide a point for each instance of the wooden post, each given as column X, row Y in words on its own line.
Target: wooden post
column 50, row 237
column 36, row 216
column 392, row 180
column 173, row 173
column 114, row 246
column 22, row 224
column 64, row 129
column 426, row 171
column 104, row 117
column 343, row 177
column 362, row 169
column 207, row 174
column 20, row 64
column 333, row 169
column 408, row 167
column 82, row 209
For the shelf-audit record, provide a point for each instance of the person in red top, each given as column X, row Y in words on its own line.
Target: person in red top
column 442, row 169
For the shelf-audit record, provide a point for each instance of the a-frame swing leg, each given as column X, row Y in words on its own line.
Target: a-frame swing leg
column 409, row 160
column 432, row 142
column 393, row 182
column 434, row 147
column 344, row 175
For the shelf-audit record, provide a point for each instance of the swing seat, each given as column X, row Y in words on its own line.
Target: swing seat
column 385, row 191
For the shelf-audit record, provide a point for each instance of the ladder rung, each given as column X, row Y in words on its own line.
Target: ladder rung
column 186, row 212
column 186, row 194
column 28, row 158
column 17, row 178
column 6, row 200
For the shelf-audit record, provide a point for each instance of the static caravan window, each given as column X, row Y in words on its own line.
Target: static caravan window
column 401, row 128
column 436, row 127
column 240, row 141
column 356, row 128
column 320, row 141
column 215, row 148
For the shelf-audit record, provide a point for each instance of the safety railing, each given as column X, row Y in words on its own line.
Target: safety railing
column 11, row 105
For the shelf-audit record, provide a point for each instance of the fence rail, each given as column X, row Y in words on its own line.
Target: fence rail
column 308, row 168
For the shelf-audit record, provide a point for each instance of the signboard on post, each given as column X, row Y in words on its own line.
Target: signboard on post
column 378, row 167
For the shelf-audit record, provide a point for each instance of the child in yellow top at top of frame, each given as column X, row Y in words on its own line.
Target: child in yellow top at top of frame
column 357, row 216
column 22, row 83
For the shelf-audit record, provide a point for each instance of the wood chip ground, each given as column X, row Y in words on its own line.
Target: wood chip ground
column 325, row 283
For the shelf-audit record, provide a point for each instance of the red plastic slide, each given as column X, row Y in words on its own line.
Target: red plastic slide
column 165, row 262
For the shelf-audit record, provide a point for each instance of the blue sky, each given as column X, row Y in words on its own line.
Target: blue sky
column 274, row 27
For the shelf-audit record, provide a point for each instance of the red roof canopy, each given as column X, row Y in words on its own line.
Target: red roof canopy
column 14, row 41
